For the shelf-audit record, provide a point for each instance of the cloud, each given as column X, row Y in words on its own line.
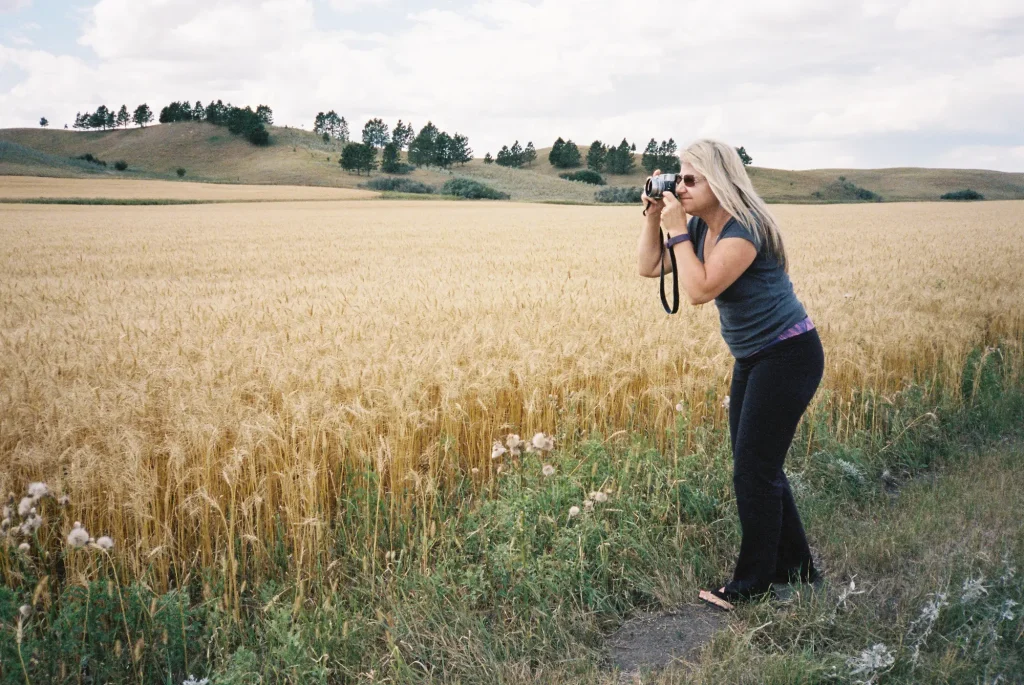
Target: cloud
column 797, row 82
column 14, row 5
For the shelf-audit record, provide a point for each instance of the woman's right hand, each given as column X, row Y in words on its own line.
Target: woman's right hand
column 656, row 204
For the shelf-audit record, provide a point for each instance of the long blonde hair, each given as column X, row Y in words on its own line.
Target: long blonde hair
column 721, row 165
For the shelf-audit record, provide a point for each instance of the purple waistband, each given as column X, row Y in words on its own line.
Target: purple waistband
column 794, row 330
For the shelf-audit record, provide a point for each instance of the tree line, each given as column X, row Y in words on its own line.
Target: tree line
column 242, row 121
column 105, row 118
column 430, row 147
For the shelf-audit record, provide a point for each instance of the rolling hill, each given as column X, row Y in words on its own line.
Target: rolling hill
column 296, row 157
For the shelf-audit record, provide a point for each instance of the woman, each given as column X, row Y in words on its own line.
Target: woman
column 731, row 252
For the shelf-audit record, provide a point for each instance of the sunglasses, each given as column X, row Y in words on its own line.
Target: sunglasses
column 690, row 180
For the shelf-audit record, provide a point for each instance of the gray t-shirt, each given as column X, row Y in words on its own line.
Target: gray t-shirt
column 760, row 304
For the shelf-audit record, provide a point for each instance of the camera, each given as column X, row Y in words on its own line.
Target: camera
column 659, row 185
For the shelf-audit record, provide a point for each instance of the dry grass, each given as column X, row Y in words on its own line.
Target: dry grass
column 24, row 187
column 189, row 373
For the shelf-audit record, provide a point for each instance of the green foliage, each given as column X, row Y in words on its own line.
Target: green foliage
column 488, row 159
column 965, row 194
column 421, row 149
column 142, row 115
column 88, row 157
column 44, row 122
column 375, row 133
column 242, row 122
column 596, row 156
column 331, row 125
column 121, row 165
column 842, row 190
column 402, row 135
column 619, row 160
column 358, row 157
column 620, row 194
column 123, row 118
column 564, row 154
column 473, row 190
column 263, row 113
column 516, row 156
column 744, row 157
column 661, row 156
column 402, row 185
column 180, row 171
column 584, row 176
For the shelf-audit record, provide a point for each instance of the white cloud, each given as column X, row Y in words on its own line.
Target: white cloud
column 14, row 5
column 798, row 82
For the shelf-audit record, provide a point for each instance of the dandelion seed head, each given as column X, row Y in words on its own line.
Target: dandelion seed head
column 78, row 537
column 24, row 548
column 64, row 500
column 548, row 470
column 574, row 511
column 679, row 406
column 513, row 441
column 25, row 610
column 544, row 443
column 25, row 506
column 475, row 470
column 8, row 511
column 725, row 402
column 588, row 505
column 497, row 449
column 600, row 497
column 38, row 490
column 105, row 542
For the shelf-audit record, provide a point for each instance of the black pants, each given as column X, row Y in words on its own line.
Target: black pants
column 769, row 393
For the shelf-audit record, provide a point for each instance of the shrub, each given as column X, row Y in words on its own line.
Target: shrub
column 402, row 185
column 584, row 176
column 473, row 190
column 88, row 157
column 180, row 171
column 622, row 194
column 121, row 165
column 965, row 194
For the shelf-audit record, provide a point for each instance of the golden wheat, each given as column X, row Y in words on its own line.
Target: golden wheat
column 190, row 374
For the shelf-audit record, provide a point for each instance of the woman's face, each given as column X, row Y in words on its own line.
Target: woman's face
column 698, row 199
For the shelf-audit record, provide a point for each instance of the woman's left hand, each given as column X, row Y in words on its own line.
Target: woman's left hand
column 673, row 217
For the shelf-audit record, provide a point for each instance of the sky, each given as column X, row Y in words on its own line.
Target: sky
column 799, row 83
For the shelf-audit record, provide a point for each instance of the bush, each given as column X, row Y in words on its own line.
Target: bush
column 622, row 194
column 88, row 157
column 965, row 194
column 473, row 190
column 401, row 185
column 180, row 171
column 584, row 176
column 121, row 165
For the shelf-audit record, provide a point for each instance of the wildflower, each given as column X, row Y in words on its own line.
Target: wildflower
column 574, row 511
column 588, row 505
column 192, row 681
column 871, row 660
column 64, row 500
column 514, row 443
column 32, row 523
column 848, row 295
column 497, row 449
column 972, row 590
column 78, row 537
column 38, row 490
column 544, row 443
column 24, row 547
column 25, row 506
column 598, row 496
column 725, row 402
column 25, row 610
column 5, row 524
column 1005, row 613
column 475, row 470
column 930, row 611
column 548, row 470
column 8, row 512
column 105, row 542
column 679, row 406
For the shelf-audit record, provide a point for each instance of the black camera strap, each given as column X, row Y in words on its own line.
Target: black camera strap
column 675, row 277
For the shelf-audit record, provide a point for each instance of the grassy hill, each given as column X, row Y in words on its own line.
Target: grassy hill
column 295, row 157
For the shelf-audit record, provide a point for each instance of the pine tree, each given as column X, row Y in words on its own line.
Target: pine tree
column 44, row 122
column 421, row 149
column 358, row 157
column 389, row 160
column 444, row 150
column 504, row 156
column 462, row 153
column 402, row 134
column 488, row 159
column 516, row 155
column 375, row 132
column 744, row 157
column 318, row 124
column 650, row 158
column 596, row 155
column 123, row 118
column 555, row 155
column 529, row 154
column 570, row 155
column 198, row 111
column 265, row 114
column 668, row 160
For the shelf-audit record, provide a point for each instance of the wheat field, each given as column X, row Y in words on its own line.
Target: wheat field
column 196, row 375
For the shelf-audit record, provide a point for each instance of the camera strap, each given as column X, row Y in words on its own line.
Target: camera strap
column 675, row 277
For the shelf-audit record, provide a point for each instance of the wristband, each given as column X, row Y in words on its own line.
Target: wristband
column 676, row 239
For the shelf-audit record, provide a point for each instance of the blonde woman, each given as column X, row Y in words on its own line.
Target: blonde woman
column 731, row 251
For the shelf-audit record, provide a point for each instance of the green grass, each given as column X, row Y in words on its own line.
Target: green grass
column 492, row 581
